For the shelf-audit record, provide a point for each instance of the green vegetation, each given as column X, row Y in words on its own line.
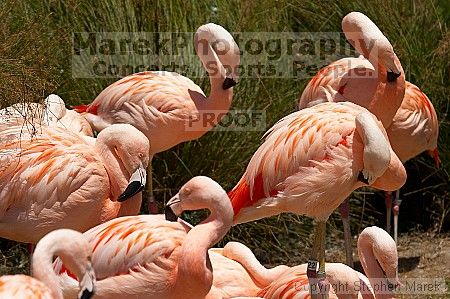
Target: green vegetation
column 35, row 60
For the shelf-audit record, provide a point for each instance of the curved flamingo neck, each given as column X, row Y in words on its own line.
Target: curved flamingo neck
column 370, row 42
column 244, row 256
column 194, row 275
column 372, row 268
column 42, row 267
column 388, row 96
column 219, row 99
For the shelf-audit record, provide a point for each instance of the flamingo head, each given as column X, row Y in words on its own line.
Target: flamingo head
column 131, row 147
column 199, row 193
column 377, row 151
column 76, row 254
column 369, row 41
column 385, row 252
column 55, row 108
column 213, row 42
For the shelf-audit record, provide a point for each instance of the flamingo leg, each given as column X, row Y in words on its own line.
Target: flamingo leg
column 30, row 249
column 151, row 202
column 344, row 209
column 396, row 211
column 388, row 202
column 318, row 283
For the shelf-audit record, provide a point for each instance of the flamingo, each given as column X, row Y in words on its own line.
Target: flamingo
column 147, row 256
column 379, row 259
column 375, row 80
column 310, row 161
column 73, row 249
column 56, row 179
column 51, row 113
column 167, row 107
column 415, row 129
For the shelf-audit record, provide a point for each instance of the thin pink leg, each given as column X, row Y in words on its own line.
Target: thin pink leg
column 344, row 209
column 396, row 211
column 388, row 202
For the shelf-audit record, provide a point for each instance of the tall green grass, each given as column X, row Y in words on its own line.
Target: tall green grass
column 35, row 56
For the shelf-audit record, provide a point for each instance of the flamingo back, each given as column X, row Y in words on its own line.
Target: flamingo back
column 352, row 78
column 150, row 101
column 42, row 174
column 23, row 287
column 415, row 127
column 128, row 245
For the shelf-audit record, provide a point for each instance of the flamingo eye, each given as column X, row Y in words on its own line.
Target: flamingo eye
column 141, row 155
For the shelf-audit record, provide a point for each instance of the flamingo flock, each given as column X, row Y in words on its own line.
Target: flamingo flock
column 78, row 197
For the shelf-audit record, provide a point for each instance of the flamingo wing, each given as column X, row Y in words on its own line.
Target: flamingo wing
column 415, row 126
column 133, row 244
column 23, row 287
column 291, row 284
column 40, row 170
column 352, row 79
column 31, row 115
column 163, row 91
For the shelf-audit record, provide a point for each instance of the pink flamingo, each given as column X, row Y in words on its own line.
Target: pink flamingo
column 310, row 161
column 415, row 129
column 146, row 256
column 51, row 113
column 375, row 81
column 167, row 107
column 73, row 249
column 378, row 255
column 56, row 179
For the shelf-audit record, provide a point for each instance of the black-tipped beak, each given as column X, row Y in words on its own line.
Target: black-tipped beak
column 392, row 76
column 362, row 179
column 135, row 185
column 170, row 215
column 86, row 294
column 228, row 83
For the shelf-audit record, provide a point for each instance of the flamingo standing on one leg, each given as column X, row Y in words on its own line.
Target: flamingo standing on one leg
column 377, row 252
column 311, row 160
column 56, row 179
column 167, row 107
column 52, row 112
column 146, row 256
column 375, row 81
column 415, row 129
column 76, row 253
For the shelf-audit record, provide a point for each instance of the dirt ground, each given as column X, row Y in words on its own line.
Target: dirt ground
column 421, row 256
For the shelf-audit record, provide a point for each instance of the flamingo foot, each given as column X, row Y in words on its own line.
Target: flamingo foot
column 152, row 205
column 344, row 209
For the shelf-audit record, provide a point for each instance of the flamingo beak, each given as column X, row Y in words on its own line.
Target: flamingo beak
column 87, row 284
column 228, row 83
column 171, row 210
column 135, row 185
column 392, row 76
column 362, row 179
